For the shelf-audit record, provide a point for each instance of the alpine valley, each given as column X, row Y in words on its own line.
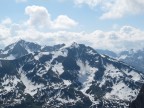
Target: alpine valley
column 62, row 76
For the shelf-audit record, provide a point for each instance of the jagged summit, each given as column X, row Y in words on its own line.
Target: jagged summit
column 52, row 48
column 19, row 49
column 74, row 44
column 21, row 41
column 22, row 47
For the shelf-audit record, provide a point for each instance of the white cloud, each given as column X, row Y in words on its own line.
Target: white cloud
column 6, row 21
column 64, row 22
column 125, row 38
column 113, row 9
column 41, row 18
column 4, row 32
column 120, row 8
column 38, row 16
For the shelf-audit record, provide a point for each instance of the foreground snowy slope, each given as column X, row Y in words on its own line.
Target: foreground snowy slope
column 69, row 77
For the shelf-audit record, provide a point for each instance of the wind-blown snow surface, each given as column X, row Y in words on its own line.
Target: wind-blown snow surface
column 71, row 77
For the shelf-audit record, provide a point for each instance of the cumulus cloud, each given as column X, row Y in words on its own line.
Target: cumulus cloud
column 4, row 32
column 63, row 22
column 113, row 9
column 40, row 17
column 120, row 8
column 126, row 38
column 6, row 21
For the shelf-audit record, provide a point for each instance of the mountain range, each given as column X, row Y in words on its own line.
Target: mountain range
column 132, row 57
column 60, row 76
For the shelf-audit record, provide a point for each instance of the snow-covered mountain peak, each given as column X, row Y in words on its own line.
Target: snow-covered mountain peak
column 74, row 45
column 52, row 48
column 21, row 41
column 75, row 76
column 19, row 49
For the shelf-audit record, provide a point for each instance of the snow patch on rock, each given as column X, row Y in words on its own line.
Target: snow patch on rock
column 31, row 87
column 58, row 68
column 86, row 74
column 122, row 92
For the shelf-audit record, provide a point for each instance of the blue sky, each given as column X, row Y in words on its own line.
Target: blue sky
column 88, row 17
column 73, row 18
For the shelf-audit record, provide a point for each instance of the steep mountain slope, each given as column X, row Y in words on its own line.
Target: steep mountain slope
column 71, row 77
column 107, row 52
column 139, row 101
column 133, row 58
column 21, row 48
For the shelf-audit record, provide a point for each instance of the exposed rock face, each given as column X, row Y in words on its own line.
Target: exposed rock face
column 139, row 101
column 75, row 76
